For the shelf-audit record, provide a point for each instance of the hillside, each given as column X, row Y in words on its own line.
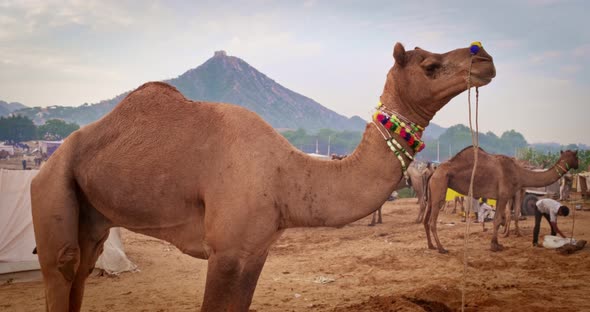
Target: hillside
column 226, row 79
column 7, row 108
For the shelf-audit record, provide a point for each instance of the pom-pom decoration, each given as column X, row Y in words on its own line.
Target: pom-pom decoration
column 475, row 47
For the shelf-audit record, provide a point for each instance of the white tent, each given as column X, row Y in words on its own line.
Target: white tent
column 17, row 239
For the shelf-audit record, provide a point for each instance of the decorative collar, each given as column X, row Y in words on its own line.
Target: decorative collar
column 565, row 170
column 409, row 131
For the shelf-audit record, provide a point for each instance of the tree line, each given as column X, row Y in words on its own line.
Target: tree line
column 15, row 129
column 450, row 142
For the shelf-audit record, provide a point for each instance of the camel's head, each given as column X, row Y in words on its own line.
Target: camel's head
column 422, row 82
column 570, row 158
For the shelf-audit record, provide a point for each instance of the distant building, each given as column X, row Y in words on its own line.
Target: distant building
column 49, row 147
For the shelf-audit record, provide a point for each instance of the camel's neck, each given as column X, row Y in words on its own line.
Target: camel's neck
column 419, row 114
column 338, row 192
column 540, row 178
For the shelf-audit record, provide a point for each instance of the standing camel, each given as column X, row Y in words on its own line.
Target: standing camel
column 414, row 178
column 422, row 190
column 230, row 184
column 414, row 181
column 496, row 176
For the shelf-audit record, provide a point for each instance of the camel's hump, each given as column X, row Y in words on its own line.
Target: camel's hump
column 154, row 88
column 154, row 92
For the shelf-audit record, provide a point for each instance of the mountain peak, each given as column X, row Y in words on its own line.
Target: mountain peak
column 220, row 53
column 229, row 79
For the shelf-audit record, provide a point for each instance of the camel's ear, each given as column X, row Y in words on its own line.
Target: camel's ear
column 560, row 152
column 399, row 54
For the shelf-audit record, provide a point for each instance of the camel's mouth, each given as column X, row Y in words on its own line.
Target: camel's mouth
column 482, row 71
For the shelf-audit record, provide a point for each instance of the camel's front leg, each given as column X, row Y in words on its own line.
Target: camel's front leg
column 500, row 212
column 238, row 250
column 231, row 281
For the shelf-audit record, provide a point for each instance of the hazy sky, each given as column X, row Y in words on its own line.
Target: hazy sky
column 335, row 52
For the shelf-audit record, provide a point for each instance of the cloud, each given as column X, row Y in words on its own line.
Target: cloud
column 582, row 51
column 570, row 69
column 545, row 57
column 309, row 3
column 544, row 2
column 506, row 44
column 26, row 18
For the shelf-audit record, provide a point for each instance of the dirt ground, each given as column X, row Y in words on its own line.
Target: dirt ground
column 356, row 268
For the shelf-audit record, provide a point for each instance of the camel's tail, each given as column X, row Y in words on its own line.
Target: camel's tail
column 55, row 211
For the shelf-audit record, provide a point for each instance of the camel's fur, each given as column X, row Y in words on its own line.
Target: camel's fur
column 229, row 184
column 496, row 176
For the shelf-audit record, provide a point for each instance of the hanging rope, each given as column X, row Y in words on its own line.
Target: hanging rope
column 475, row 143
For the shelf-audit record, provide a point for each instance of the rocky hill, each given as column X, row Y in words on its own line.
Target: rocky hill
column 226, row 79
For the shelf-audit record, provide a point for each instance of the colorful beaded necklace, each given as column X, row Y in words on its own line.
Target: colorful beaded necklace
column 401, row 126
column 565, row 170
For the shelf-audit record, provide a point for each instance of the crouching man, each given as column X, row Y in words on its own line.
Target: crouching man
column 549, row 209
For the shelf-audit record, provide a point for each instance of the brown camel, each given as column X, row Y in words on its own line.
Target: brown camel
column 229, row 184
column 413, row 177
column 496, row 176
column 515, row 205
column 421, row 188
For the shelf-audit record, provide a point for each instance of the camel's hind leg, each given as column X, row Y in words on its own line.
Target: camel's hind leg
column 94, row 231
column 436, row 201
column 517, row 211
column 500, row 213
column 426, row 223
column 508, row 217
column 422, row 210
column 373, row 219
column 55, row 211
column 433, row 225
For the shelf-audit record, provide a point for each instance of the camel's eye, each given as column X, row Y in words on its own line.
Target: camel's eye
column 430, row 67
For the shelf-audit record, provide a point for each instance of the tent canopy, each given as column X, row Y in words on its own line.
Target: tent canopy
column 17, row 239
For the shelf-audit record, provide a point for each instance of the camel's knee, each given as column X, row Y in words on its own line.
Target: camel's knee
column 226, row 265
column 68, row 260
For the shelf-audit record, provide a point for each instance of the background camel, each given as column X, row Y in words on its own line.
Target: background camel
column 514, row 207
column 497, row 176
column 414, row 181
column 230, row 184
column 421, row 190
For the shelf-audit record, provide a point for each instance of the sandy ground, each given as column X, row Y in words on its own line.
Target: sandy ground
column 382, row 268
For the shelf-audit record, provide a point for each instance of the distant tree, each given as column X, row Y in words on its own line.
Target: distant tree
column 457, row 137
column 512, row 141
column 297, row 138
column 16, row 129
column 339, row 142
column 573, row 147
column 56, row 129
